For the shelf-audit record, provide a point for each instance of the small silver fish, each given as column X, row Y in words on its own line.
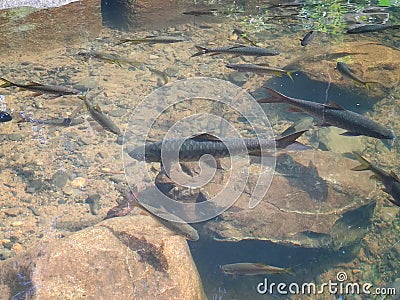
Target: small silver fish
column 100, row 117
column 42, row 88
column 237, row 50
column 346, row 71
column 253, row 269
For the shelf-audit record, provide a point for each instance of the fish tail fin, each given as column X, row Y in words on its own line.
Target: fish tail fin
column 202, row 50
column 6, row 83
column 275, row 97
column 365, row 164
column 289, row 271
column 289, row 74
column 288, row 140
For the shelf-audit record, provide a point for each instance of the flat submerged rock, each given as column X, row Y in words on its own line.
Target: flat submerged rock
column 304, row 206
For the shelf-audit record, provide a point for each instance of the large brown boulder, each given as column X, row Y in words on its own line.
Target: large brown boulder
column 123, row 258
column 27, row 30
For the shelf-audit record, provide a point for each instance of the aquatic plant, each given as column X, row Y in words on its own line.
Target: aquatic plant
column 326, row 16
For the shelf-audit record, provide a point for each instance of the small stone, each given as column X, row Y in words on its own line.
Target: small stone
column 5, row 241
column 59, row 179
column 152, row 56
column 38, row 104
column 17, row 247
column 94, row 203
column 16, row 223
column 68, row 190
column 33, row 186
column 5, row 253
column 34, row 211
column 117, row 112
column 12, row 212
column 237, row 77
column 15, row 137
column 356, row 271
column 79, row 182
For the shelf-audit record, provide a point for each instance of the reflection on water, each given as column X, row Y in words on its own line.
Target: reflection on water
column 61, row 170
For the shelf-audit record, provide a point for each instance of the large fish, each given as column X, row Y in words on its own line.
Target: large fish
column 390, row 180
column 346, row 71
column 253, row 269
column 333, row 115
column 260, row 69
column 193, row 148
column 237, row 50
column 371, row 28
column 42, row 88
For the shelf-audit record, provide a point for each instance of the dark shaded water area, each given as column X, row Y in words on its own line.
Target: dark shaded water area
column 65, row 168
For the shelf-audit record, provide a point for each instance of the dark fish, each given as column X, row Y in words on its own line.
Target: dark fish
column 253, row 269
column 42, row 88
column 110, row 58
column 195, row 147
column 5, row 117
column 346, row 71
column 259, row 69
column 334, row 115
column 100, row 117
column 390, row 180
column 371, row 28
column 153, row 40
column 237, row 50
column 308, row 38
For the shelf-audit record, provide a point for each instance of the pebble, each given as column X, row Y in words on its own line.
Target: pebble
column 68, row 190
column 5, row 253
column 94, row 203
column 14, row 137
column 38, row 104
column 59, row 179
column 117, row 112
column 12, row 212
column 16, row 223
column 33, row 186
column 34, row 211
column 79, row 182
column 17, row 247
column 152, row 56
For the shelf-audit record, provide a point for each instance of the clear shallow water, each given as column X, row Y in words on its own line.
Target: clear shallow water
column 87, row 151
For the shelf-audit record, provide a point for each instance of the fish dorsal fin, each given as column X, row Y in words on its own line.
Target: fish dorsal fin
column 333, row 105
column 394, row 176
column 237, row 46
column 204, row 137
column 34, row 83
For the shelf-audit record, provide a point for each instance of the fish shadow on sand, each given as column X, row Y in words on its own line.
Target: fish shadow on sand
column 303, row 177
